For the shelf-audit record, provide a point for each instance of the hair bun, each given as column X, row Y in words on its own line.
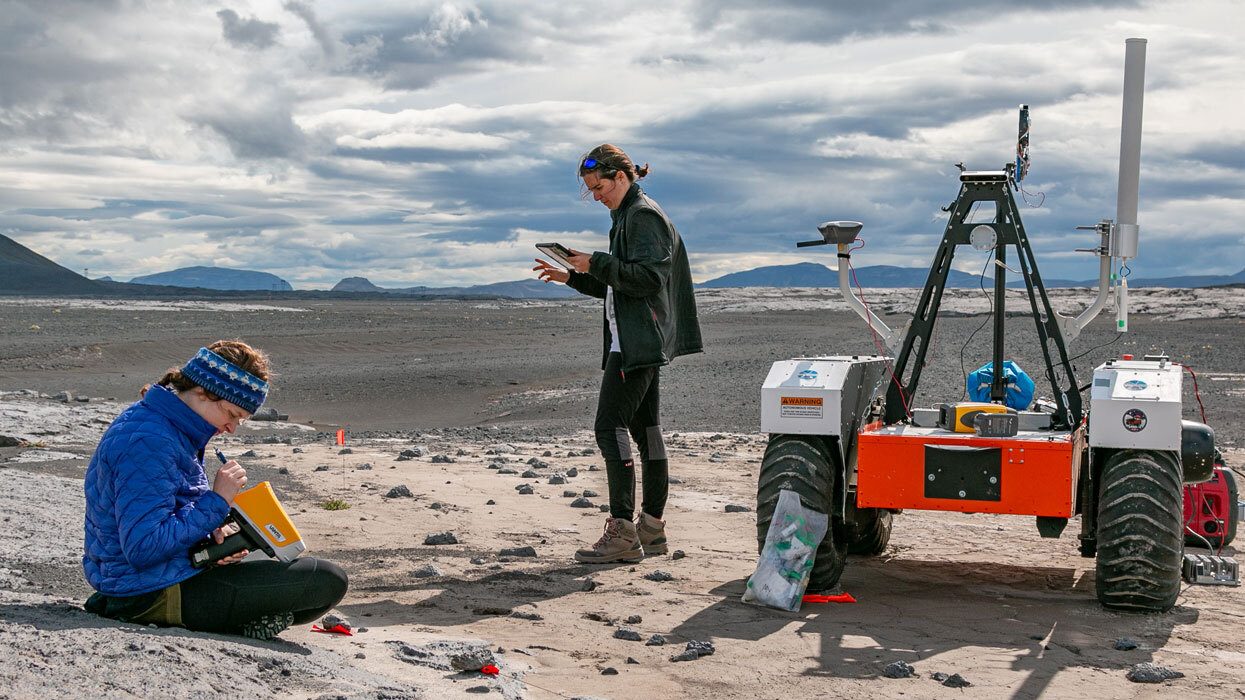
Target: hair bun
column 642, row 172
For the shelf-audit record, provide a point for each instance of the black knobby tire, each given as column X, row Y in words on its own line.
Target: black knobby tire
column 868, row 530
column 805, row 465
column 1229, row 531
column 1140, row 509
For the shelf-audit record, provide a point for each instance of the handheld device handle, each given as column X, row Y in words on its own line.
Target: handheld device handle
column 208, row 554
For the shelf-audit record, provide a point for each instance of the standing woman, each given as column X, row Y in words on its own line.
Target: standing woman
column 148, row 503
column 650, row 319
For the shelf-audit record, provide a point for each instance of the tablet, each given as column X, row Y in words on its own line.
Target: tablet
column 558, row 252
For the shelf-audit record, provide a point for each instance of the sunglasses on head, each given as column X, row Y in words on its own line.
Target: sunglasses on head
column 593, row 164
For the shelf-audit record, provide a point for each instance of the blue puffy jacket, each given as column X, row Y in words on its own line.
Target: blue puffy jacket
column 148, row 500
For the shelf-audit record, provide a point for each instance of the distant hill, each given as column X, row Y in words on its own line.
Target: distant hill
column 23, row 271
column 356, row 284
column 809, row 274
column 217, row 278
column 517, row 289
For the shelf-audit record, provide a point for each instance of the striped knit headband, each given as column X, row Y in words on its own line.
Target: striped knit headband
column 226, row 380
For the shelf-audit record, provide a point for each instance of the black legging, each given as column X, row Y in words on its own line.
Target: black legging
column 224, row 598
column 628, row 408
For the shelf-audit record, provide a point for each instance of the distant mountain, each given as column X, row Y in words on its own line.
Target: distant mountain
column 517, row 289
column 217, row 278
column 356, row 284
column 105, row 278
column 808, row 274
column 23, row 271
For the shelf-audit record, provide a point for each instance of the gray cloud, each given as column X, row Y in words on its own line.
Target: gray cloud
column 247, row 33
column 307, row 14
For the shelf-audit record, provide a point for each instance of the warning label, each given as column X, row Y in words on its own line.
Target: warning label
column 800, row 407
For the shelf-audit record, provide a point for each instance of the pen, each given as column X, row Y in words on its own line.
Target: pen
column 221, row 456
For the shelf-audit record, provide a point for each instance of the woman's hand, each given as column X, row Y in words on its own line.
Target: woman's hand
column 230, row 479
column 219, row 535
column 549, row 273
column 580, row 260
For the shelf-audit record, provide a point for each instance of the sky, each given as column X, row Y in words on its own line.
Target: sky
column 434, row 143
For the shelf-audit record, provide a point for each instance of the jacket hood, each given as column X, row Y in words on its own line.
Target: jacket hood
column 165, row 402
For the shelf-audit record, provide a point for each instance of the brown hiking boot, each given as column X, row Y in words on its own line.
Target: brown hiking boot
column 619, row 543
column 652, row 534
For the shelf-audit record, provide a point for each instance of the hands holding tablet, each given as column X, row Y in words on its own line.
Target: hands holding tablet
column 568, row 258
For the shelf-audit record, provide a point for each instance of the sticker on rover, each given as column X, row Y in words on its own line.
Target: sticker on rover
column 1134, row 420
column 800, row 406
column 807, row 375
column 1135, row 385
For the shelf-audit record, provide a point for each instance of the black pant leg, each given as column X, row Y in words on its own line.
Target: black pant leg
column 620, row 397
column 224, row 598
column 645, row 429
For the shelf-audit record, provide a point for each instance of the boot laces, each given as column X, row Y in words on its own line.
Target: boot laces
column 611, row 532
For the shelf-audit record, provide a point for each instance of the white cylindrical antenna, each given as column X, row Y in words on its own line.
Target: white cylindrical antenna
column 1124, row 242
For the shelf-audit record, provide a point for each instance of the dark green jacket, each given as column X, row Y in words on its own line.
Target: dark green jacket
column 653, row 298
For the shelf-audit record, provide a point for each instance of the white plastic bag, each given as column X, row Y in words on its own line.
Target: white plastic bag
column 786, row 561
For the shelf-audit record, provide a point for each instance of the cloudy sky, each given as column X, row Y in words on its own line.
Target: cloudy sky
column 434, row 143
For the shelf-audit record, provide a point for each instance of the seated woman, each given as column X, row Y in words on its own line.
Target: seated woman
column 148, row 504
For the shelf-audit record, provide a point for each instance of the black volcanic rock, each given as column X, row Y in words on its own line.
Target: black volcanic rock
column 217, row 278
column 23, row 271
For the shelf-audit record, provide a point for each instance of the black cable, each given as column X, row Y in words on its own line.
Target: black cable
column 981, row 282
column 1096, row 347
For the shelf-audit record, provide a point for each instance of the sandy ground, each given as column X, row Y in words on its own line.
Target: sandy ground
column 510, row 385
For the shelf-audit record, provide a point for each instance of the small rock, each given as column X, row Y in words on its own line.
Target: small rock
column 604, row 507
column 524, row 615
column 524, row 551
column 588, row 452
column 9, row 441
column 330, row 621
column 462, row 452
column 628, row 634
column 479, row 689
column 411, row 454
column 533, row 461
column 589, row 493
column 572, row 472
column 345, row 451
column 479, row 561
column 530, row 474
column 589, row 585
column 400, row 491
column 1149, row 673
column 594, row 468
column 63, row 397
column 286, row 470
column 297, row 450
column 249, row 453
column 440, row 538
column 581, row 502
column 633, row 620
column 507, row 470
column 659, row 575
column 325, row 467
column 955, row 680
column 656, row 640
column 490, row 610
column 1125, row 644
column 427, row 571
column 557, row 479
column 547, row 454
column 472, row 659
column 494, row 465
column 693, row 651
column 609, row 671
column 631, row 660
column 442, row 459
column 674, row 480
column 525, row 489
column 736, row 508
column 491, row 502
column 403, row 458
column 367, row 466
column 678, row 554
column 569, row 493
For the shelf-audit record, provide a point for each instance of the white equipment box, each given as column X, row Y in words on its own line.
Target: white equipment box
column 820, row 395
column 1136, row 404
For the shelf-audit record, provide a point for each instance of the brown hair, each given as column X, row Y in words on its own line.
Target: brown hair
column 610, row 159
column 236, row 352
